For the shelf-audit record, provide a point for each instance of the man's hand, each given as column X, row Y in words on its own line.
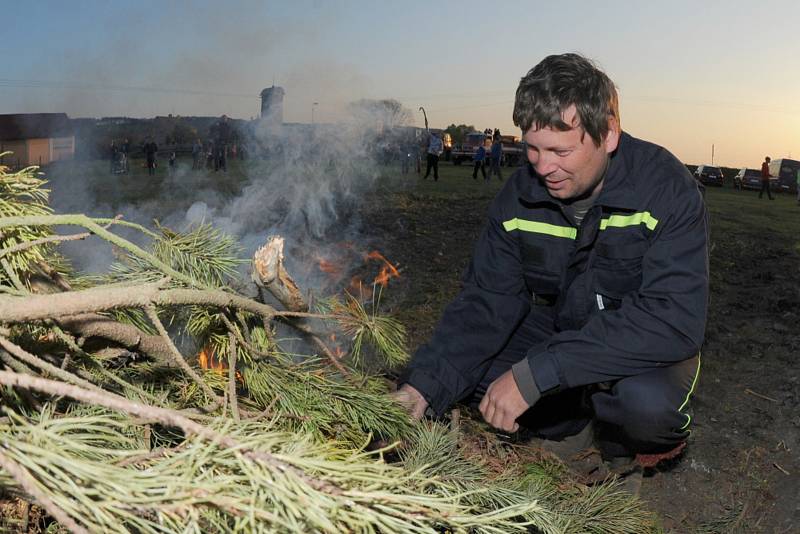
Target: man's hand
column 503, row 403
column 412, row 400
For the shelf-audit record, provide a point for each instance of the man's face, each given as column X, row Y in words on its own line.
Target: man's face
column 569, row 163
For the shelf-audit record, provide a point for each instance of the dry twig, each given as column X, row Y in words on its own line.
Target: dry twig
column 760, row 396
column 232, row 377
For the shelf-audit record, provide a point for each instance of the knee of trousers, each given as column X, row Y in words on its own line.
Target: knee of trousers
column 645, row 416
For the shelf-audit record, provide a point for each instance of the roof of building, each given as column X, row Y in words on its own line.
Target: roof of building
column 34, row 126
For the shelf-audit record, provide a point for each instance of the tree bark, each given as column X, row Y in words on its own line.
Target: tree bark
column 270, row 274
column 128, row 336
column 18, row 309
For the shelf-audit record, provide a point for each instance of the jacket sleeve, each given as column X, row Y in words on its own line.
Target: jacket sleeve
column 477, row 324
column 660, row 324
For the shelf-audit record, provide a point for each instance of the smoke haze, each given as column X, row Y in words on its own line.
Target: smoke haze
column 309, row 188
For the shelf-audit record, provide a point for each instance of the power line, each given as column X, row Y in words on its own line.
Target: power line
column 53, row 84
column 77, row 86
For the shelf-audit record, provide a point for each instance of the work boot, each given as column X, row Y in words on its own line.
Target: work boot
column 628, row 473
column 579, row 454
column 571, row 446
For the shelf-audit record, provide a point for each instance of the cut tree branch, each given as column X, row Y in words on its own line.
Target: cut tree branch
column 19, row 309
column 128, row 336
column 93, row 226
column 163, row 416
column 51, row 239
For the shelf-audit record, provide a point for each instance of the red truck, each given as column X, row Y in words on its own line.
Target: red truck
column 513, row 150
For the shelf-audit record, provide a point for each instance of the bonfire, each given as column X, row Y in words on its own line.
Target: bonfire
column 159, row 397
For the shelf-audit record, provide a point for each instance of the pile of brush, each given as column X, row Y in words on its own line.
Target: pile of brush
column 159, row 397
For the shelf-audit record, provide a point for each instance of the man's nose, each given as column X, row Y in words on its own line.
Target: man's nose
column 543, row 164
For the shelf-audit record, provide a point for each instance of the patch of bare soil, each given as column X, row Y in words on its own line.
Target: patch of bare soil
column 741, row 469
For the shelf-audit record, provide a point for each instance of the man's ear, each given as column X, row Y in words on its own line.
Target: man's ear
column 612, row 137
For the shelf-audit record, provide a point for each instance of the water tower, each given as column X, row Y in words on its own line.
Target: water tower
column 272, row 104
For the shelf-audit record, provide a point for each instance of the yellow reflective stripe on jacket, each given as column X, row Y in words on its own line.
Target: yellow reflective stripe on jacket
column 569, row 232
column 620, row 221
column 540, row 228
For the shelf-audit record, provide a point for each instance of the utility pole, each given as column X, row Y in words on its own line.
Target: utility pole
column 712, row 153
column 315, row 104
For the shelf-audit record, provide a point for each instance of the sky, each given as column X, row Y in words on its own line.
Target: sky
column 692, row 75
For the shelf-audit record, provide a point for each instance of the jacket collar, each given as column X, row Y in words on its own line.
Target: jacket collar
column 619, row 186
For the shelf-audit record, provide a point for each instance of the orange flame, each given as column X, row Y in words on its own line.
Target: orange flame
column 388, row 271
column 208, row 360
column 329, row 267
column 337, row 349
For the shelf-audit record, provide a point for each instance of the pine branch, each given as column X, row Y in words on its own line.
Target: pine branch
column 17, row 309
column 35, row 361
column 28, row 484
column 162, row 415
column 177, row 357
column 132, row 338
column 48, row 240
column 93, row 226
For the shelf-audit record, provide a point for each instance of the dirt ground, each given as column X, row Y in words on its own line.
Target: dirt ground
column 740, row 471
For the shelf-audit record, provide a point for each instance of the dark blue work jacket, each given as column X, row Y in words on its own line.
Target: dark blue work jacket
column 629, row 286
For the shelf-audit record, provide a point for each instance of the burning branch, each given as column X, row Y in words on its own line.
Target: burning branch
column 270, row 274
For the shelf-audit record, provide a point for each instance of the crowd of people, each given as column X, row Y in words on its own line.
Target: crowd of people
column 211, row 154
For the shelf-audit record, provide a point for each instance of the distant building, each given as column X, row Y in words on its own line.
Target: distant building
column 272, row 104
column 36, row 138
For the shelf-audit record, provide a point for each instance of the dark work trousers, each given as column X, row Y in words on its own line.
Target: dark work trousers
column 765, row 187
column 636, row 414
column 479, row 165
column 433, row 163
column 494, row 169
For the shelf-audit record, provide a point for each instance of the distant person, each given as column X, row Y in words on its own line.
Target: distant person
column 150, row 152
column 125, row 150
column 765, row 179
column 113, row 154
column 479, row 158
column 172, row 162
column 798, row 186
column 496, row 157
column 197, row 151
column 405, row 157
column 435, row 149
column 222, row 138
column 209, row 155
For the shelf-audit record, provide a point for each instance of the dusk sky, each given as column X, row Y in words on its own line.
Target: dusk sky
column 690, row 73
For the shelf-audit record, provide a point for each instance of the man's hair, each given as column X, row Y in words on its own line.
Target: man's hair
column 558, row 82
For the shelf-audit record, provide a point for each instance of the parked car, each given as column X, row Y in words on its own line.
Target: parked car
column 751, row 179
column 747, row 179
column 709, row 175
column 783, row 174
